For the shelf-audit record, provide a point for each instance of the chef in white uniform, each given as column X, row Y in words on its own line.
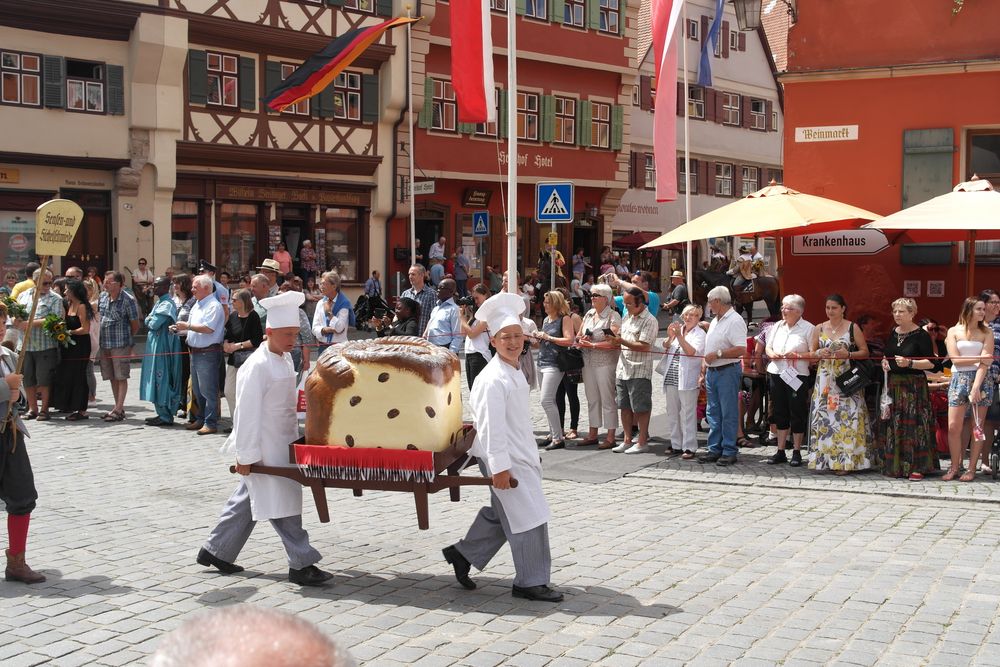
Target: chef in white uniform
column 506, row 449
column 264, row 424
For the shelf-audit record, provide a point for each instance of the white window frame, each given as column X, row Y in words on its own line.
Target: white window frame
column 536, row 9
column 528, row 108
column 490, row 129
column 13, row 68
column 751, row 179
column 498, row 6
column 443, row 110
column 300, row 108
column 696, row 103
column 564, row 125
column 635, row 96
column 758, row 114
column 731, row 108
column 89, row 91
column 347, row 96
column 225, row 72
column 600, row 125
column 734, row 41
column 687, row 181
column 610, row 11
column 363, row 6
column 574, row 13
column 650, row 172
column 693, row 30
column 723, row 179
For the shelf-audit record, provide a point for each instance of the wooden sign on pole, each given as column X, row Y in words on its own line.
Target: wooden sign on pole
column 56, row 224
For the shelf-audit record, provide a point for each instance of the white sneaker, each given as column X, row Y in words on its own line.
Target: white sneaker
column 638, row 449
column 622, row 447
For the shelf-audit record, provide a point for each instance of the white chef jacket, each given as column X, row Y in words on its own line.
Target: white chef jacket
column 264, row 424
column 505, row 441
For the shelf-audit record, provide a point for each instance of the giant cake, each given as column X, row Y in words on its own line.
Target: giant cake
column 397, row 392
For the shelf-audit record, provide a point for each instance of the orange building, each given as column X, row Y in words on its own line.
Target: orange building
column 889, row 104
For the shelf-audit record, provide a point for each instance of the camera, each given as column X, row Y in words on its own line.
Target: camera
column 466, row 301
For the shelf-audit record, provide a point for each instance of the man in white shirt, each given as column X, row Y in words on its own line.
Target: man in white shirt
column 205, row 329
column 724, row 347
column 445, row 325
column 437, row 250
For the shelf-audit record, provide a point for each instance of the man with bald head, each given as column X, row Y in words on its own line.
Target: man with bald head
column 74, row 272
column 445, row 325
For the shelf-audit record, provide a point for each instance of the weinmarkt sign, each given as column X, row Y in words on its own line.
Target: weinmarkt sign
column 56, row 222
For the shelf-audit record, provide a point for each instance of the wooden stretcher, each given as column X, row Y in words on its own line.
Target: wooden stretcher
column 448, row 466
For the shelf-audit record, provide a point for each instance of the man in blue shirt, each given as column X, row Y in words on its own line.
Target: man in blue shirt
column 444, row 327
column 119, row 323
column 205, row 327
column 373, row 286
column 642, row 280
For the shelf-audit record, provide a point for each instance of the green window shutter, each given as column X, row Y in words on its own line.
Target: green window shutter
column 617, row 127
column 272, row 76
column 928, row 158
column 197, row 77
column 467, row 128
column 548, row 117
column 383, row 7
column 522, row 7
column 594, row 14
column 502, row 115
column 583, row 120
column 325, row 102
column 335, row 3
column 557, row 10
column 369, row 98
column 248, row 84
column 425, row 117
column 54, row 70
column 116, row 90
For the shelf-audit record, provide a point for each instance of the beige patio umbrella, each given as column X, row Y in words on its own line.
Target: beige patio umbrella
column 970, row 212
column 771, row 211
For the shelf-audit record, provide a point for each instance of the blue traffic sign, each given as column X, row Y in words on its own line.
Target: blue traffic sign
column 554, row 201
column 480, row 223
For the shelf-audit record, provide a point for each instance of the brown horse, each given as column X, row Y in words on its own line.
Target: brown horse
column 765, row 288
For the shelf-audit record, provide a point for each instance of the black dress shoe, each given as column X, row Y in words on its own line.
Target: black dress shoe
column 537, row 593
column 543, row 443
column 209, row 560
column 556, row 445
column 726, row 460
column 152, row 420
column 709, row 458
column 796, row 459
column 461, row 565
column 309, row 576
column 778, row 457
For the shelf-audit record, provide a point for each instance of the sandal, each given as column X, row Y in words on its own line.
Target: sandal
column 969, row 476
column 29, row 415
column 950, row 475
column 746, row 442
column 114, row 416
column 76, row 416
column 588, row 442
column 687, row 456
column 571, row 434
column 43, row 416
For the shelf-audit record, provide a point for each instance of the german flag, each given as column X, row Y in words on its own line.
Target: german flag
column 320, row 69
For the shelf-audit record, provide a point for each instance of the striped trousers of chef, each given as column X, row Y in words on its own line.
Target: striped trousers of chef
column 490, row 530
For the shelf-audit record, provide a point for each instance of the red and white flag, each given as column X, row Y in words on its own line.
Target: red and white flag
column 472, row 61
column 665, row 17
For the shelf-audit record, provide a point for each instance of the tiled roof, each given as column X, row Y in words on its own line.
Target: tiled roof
column 644, row 36
column 776, row 21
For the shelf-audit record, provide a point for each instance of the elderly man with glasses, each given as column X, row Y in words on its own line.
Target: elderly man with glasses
column 724, row 348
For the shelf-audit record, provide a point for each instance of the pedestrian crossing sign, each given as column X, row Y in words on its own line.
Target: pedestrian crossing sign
column 554, row 201
column 481, row 223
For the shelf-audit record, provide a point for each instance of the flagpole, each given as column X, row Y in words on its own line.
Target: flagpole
column 689, row 259
column 409, row 92
column 511, row 148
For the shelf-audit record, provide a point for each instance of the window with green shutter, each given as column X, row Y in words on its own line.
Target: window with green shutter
column 272, row 76
column 583, row 123
column 548, row 117
column 116, row 90
column 369, row 98
column 617, row 127
column 427, row 112
column 594, row 14
column 197, row 77
column 248, row 84
column 521, row 7
column 557, row 11
column 502, row 115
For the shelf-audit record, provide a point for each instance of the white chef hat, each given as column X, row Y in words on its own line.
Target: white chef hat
column 501, row 310
column 283, row 309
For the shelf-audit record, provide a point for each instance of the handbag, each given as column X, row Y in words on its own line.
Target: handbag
column 568, row 358
column 240, row 356
column 858, row 376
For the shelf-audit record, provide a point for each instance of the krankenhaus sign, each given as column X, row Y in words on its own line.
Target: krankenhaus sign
column 851, row 242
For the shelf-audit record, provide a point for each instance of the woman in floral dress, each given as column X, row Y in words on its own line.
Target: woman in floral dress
column 838, row 428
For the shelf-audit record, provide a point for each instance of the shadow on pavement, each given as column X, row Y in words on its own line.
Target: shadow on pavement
column 56, row 586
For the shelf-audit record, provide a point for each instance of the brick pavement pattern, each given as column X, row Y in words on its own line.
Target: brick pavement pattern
column 672, row 564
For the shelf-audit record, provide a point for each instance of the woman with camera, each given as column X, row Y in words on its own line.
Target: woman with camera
column 600, row 358
column 557, row 330
column 406, row 322
column 477, row 340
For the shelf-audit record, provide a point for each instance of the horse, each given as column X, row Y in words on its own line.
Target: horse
column 765, row 288
column 365, row 309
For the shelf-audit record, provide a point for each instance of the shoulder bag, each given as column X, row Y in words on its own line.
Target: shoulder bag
column 568, row 358
column 858, row 376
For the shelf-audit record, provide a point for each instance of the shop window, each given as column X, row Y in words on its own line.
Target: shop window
column 300, row 108
column 723, row 179
column 237, row 237
column 573, row 11
column 600, row 125
column 347, row 96
column 758, row 114
column 475, row 248
column 17, row 240
column 536, row 9
column 527, row 116
column 84, row 86
column 184, row 249
column 20, row 78
column 696, row 102
column 751, row 180
column 367, row 6
column 609, row 16
column 343, row 242
column 730, row 109
column 650, row 171
column 223, row 79
column 443, row 106
column 565, row 125
column 490, row 129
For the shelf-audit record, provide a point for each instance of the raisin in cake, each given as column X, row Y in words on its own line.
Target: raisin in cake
column 397, row 392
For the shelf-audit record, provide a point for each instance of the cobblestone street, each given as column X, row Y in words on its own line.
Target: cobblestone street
column 662, row 563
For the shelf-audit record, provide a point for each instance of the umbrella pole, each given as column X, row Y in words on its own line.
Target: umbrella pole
column 970, row 274
column 780, row 269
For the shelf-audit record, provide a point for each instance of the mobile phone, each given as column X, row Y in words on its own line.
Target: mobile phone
column 609, row 332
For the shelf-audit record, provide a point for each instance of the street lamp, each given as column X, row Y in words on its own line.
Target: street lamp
column 748, row 12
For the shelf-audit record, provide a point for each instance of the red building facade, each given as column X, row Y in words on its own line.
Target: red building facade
column 576, row 71
column 908, row 110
